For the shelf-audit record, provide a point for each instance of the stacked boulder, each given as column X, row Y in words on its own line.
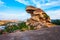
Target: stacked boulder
column 39, row 19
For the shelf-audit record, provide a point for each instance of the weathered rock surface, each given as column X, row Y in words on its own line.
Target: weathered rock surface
column 42, row 34
column 39, row 18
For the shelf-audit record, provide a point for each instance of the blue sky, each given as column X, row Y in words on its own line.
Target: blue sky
column 15, row 9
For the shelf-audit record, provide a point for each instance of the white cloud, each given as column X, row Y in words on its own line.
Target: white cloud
column 45, row 4
column 51, row 4
column 1, row 3
column 54, row 14
column 12, row 16
column 41, row 3
column 23, row 2
column 37, row 3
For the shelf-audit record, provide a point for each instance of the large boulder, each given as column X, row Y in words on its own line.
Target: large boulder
column 38, row 18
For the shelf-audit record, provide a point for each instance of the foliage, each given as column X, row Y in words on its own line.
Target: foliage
column 10, row 28
column 21, row 26
column 45, row 15
column 57, row 22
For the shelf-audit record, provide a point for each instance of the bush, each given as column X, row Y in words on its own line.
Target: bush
column 10, row 29
column 21, row 26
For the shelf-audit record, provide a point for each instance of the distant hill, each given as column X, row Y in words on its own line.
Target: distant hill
column 2, row 22
column 56, row 21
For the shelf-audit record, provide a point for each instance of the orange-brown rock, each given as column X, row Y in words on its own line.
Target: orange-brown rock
column 39, row 18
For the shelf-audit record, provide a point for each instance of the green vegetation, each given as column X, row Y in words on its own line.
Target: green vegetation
column 21, row 26
column 45, row 15
column 57, row 22
column 11, row 28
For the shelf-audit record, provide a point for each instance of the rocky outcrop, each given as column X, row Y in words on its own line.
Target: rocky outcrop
column 39, row 18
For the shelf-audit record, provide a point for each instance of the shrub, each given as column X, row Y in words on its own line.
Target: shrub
column 10, row 29
column 21, row 26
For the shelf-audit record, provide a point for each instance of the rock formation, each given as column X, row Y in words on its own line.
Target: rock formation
column 39, row 18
